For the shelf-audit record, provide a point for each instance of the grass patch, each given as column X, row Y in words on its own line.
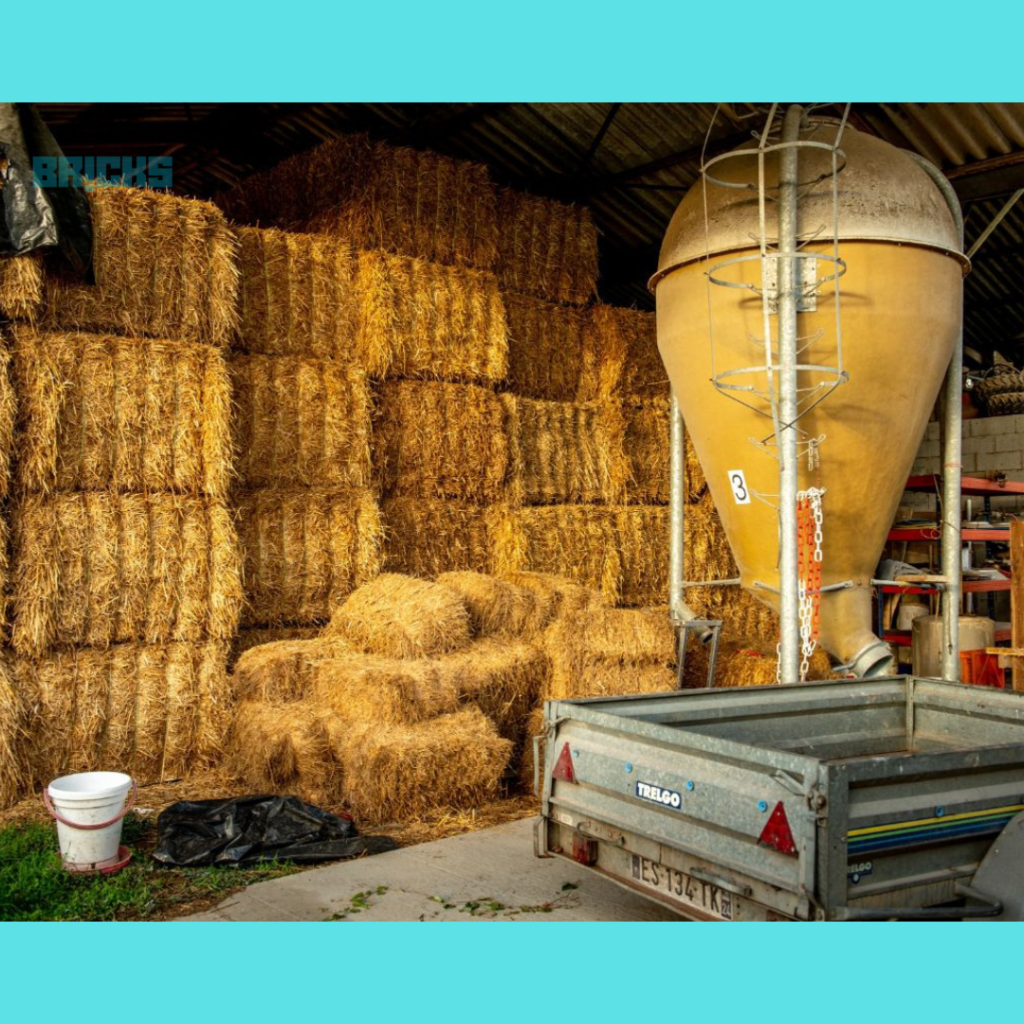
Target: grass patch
column 34, row 886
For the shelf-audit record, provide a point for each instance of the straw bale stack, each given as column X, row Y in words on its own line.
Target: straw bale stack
column 438, row 440
column 285, row 749
column 165, row 267
column 546, row 248
column 610, row 651
column 158, row 711
column 398, row 616
column 304, row 549
column 406, row 771
column 566, row 453
column 433, row 322
column 98, row 412
column 633, row 333
column 300, row 422
column 426, row 537
column 376, row 196
column 621, row 551
column 304, row 295
column 646, row 445
column 560, row 354
column 95, row 568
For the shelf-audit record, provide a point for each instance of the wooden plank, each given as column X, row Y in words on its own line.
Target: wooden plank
column 1017, row 599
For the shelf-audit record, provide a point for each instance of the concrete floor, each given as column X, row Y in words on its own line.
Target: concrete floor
column 494, row 868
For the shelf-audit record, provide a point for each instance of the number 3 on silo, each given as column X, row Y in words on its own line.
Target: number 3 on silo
column 738, row 483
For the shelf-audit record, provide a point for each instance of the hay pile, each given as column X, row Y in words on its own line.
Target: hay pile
column 547, row 249
column 565, row 452
column 165, row 267
column 156, row 711
column 621, row 551
column 436, row 440
column 426, row 537
column 96, row 567
column 304, row 549
column 99, row 412
column 300, row 422
column 377, row 196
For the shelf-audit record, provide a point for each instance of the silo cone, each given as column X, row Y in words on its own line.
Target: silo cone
column 901, row 302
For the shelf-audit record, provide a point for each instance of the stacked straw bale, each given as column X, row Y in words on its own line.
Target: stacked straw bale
column 426, row 537
column 545, row 248
column 376, row 196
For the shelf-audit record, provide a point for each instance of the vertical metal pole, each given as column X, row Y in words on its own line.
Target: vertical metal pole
column 952, row 416
column 676, row 500
column 788, row 278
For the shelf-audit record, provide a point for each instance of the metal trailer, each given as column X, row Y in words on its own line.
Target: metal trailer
column 889, row 798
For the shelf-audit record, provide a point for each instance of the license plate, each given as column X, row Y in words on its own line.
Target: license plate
column 712, row 900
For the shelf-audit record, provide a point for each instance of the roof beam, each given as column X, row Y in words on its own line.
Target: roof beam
column 988, row 179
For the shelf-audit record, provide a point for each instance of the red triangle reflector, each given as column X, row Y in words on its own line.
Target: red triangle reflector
column 563, row 766
column 776, row 832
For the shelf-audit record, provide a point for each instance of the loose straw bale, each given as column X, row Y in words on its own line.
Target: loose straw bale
column 300, row 422
column 427, row 537
column 154, row 711
column 497, row 608
column 377, row 196
column 165, row 268
column 442, row 441
column 622, row 551
column 304, row 550
column 546, row 248
column 610, row 651
column 433, row 322
column 98, row 412
column 739, row 664
column 284, row 749
column 566, row 453
column 633, row 334
column 246, row 639
column 402, row 772
column 95, row 568
column 555, row 353
column 14, row 737
column 302, row 295
column 21, row 287
column 648, row 452
column 399, row 616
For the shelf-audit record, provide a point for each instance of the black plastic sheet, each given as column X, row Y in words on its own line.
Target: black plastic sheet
column 248, row 830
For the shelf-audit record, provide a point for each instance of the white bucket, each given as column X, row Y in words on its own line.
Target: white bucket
column 90, row 809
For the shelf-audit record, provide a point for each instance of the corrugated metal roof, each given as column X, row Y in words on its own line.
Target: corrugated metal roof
column 629, row 162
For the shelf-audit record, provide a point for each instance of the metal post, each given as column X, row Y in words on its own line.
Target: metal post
column 789, row 578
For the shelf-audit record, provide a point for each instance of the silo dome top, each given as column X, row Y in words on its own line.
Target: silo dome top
column 884, row 195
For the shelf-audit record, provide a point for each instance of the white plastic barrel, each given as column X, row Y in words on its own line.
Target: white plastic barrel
column 976, row 632
column 89, row 799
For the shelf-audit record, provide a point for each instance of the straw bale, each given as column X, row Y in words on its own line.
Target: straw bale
column 647, row 450
column 21, row 287
column 302, row 295
column 527, row 759
column 555, row 595
column 694, row 481
column 8, row 417
column 304, row 550
column 405, row 771
column 284, row 749
column 427, row 537
column 707, row 556
column 433, row 322
column 281, row 671
column 300, row 422
column 739, row 664
column 555, row 353
column 499, row 608
column 610, row 651
column 96, row 568
column 622, row 551
column 14, row 736
column 377, row 196
column 165, row 267
column 546, row 248
column 441, row 441
column 633, row 334
column 566, row 453
column 747, row 619
column 97, row 412
column 247, row 639
column 400, row 616
column 143, row 709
